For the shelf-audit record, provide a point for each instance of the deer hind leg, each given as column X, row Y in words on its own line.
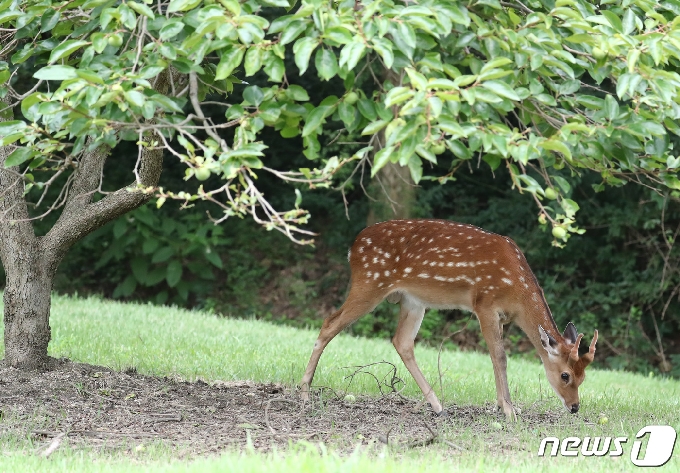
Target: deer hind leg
column 410, row 318
column 356, row 306
column 492, row 330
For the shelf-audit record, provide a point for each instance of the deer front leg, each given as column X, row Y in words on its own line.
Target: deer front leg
column 354, row 308
column 492, row 330
column 410, row 319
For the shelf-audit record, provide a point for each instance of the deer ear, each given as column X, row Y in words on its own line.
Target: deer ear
column 570, row 333
column 548, row 342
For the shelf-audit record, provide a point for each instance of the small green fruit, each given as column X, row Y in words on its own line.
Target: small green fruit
column 438, row 148
column 202, row 174
column 559, row 233
column 602, row 420
column 550, row 193
column 350, row 398
column 599, row 53
column 351, row 98
column 115, row 40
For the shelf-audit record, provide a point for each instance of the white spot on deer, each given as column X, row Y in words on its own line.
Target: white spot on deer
column 402, row 239
column 424, row 275
column 505, row 271
column 396, row 259
column 361, row 249
column 368, row 240
column 507, row 281
column 387, row 255
column 491, row 288
column 369, row 274
column 488, row 276
column 434, row 263
column 440, row 278
column 408, row 270
column 392, row 242
column 448, row 237
column 521, row 279
column 381, row 284
column 382, row 262
column 441, row 264
column 375, row 260
column 376, row 275
column 423, row 239
column 431, row 240
column 387, row 273
column 495, row 262
column 462, row 264
column 426, row 261
column 366, row 265
column 389, row 233
column 534, row 297
column 390, row 285
column 469, row 238
column 477, row 279
column 363, row 258
column 526, row 286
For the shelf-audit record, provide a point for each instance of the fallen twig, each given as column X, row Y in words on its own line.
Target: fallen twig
column 54, row 445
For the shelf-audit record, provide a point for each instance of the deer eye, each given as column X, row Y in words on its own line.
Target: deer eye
column 565, row 377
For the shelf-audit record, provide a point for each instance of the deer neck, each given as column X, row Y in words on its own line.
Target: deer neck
column 533, row 315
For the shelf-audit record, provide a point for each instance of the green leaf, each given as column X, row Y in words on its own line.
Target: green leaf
column 415, row 165
column 57, row 72
column 66, row 48
column 19, row 156
column 303, row 51
column 314, row 120
column 173, row 273
column 611, row 108
column 493, row 160
column 49, row 20
column 554, row 145
column 292, row 31
column 384, row 48
column 214, row 258
column 253, row 61
column 162, row 255
column 135, row 97
column 13, row 126
column 253, row 95
column 170, row 29
column 351, row 54
column 381, row 158
column 501, row 89
column 326, row 63
column 142, row 9
column 182, row 5
column 229, row 61
column 374, row 127
column 297, row 93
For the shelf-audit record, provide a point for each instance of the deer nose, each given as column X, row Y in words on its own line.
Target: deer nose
column 574, row 408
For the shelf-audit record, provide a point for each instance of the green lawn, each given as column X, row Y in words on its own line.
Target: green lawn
column 172, row 342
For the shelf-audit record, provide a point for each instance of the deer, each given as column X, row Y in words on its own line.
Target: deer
column 441, row 264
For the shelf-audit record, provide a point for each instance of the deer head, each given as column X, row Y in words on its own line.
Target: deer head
column 564, row 369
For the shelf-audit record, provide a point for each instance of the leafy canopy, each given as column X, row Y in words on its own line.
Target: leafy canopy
column 544, row 88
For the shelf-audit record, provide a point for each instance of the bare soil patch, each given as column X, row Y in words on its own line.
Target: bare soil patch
column 96, row 407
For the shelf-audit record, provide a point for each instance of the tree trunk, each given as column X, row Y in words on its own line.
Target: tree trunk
column 394, row 194
column 31, row 262
column 27, row 306
column 393, row 190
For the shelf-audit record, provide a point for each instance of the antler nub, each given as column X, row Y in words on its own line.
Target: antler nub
column 590, row 356
column 573, row 355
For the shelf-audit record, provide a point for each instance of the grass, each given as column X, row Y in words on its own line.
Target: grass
column 171, row 342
